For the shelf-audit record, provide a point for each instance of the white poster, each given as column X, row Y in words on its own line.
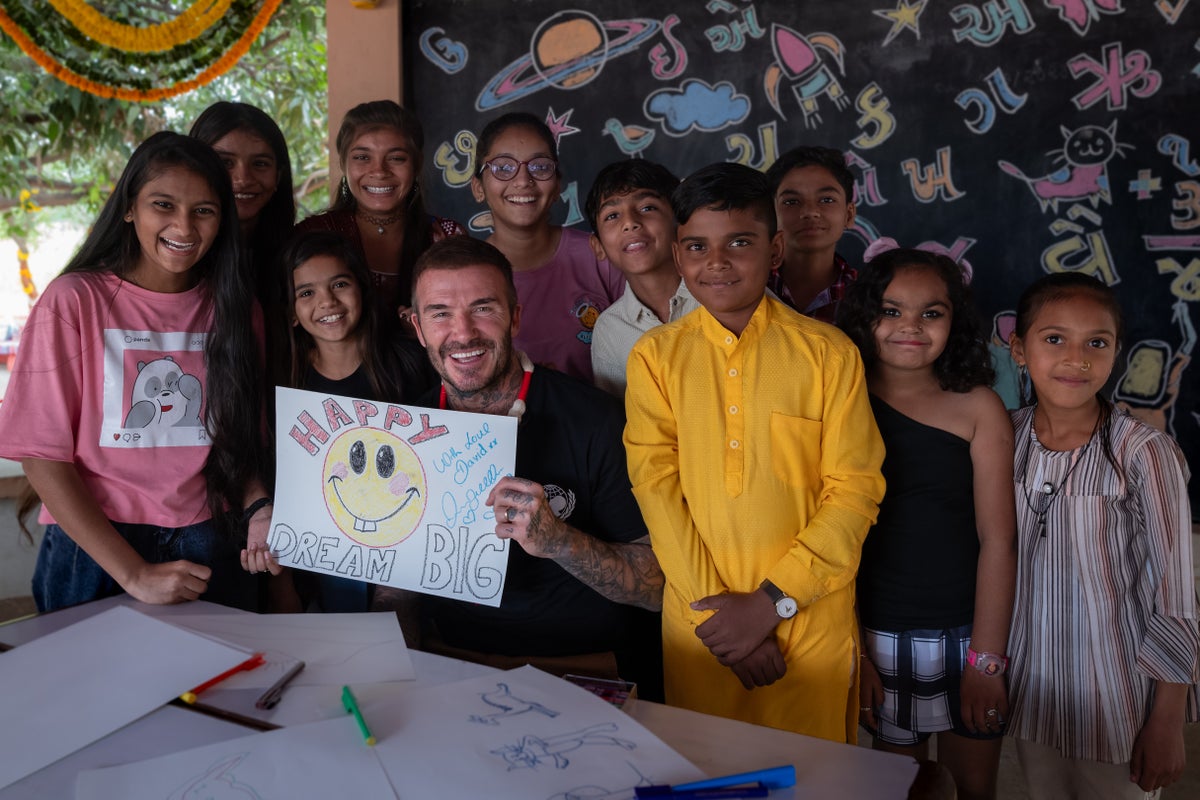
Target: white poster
column 390, row 494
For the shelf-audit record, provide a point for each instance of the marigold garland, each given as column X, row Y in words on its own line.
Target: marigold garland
column 193, row 22
column 109, row 66
column 107, row 89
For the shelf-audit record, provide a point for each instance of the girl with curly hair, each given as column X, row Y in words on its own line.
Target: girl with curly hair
column 935, row 585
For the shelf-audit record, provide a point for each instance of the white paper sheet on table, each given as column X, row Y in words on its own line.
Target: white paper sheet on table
column 336, row 649
column 521, row 734
column 321, row 759
column 71, row 687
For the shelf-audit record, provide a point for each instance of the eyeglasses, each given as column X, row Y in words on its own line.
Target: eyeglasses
column 505, row 169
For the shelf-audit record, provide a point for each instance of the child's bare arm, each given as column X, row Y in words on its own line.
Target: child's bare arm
column 61, row 488
column 996, row 570
column 1158, row 757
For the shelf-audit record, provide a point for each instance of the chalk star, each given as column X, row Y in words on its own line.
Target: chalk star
column 560, row 126
column 904, row 15
column 1145, row 185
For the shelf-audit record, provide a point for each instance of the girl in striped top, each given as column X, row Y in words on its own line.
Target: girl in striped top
column 1104, row 642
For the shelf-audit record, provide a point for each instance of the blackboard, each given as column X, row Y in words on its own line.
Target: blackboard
column 1024, row 135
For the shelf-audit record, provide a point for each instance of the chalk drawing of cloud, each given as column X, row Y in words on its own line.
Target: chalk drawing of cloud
column 696, row 106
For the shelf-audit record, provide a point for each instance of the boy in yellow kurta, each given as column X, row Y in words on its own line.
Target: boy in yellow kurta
column 755, row 459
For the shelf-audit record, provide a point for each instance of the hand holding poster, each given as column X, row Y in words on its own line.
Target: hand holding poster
column 391, row 495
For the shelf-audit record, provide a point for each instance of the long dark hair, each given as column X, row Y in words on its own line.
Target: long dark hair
column 232, row 408
column 382, row 114
column 274, row 224
column 1057, row 286
column 389, row 361
column 965, row 362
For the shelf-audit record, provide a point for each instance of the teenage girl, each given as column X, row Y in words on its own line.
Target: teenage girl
column 340, row 344
column 935, row 585
column 253, row 149
column 379, row 205
column 135, row 405
column 1104, row 639
column 561, row 286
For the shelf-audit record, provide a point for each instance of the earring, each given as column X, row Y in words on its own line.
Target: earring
column 344, row 189
column 415, row 192
column 1024, row 384
column 129, row 217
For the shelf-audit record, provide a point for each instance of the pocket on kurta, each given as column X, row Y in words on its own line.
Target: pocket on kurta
column 795, row 449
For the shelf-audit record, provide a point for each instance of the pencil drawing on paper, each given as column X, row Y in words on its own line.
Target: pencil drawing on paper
column 509, row 706
column 593, row 792
column 217, row 782
column 535, row 751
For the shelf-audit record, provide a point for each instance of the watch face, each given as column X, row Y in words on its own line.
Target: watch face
column 988, row 664
column 786, row 607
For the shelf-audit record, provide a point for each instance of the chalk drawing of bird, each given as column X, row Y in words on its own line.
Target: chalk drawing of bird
column 509, row 706
column 632, row 139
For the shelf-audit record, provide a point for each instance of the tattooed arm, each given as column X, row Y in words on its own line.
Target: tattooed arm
column 624, row 572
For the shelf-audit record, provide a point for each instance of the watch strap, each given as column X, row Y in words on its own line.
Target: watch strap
column 774, row 592
column 974, row 659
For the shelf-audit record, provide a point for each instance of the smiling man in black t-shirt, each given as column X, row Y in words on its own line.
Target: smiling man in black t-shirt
column 583, row 577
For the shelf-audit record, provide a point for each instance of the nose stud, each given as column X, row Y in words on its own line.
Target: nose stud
column 1084, row 366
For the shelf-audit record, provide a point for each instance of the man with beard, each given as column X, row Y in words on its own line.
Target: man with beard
column 584, row 588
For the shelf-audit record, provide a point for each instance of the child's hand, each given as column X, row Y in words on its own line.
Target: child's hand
column 870, row 692
column 984, row 705
column 257, row 558
column 1158, row 754
column 169, row 582
column 741, row 623
column 763, row 666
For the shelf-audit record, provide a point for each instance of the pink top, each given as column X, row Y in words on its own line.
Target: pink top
column 560, row 302
column 112, row 377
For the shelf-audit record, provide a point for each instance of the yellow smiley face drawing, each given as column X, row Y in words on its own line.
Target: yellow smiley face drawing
column 374, row 487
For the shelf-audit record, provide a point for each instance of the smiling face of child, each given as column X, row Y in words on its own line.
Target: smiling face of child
column 635, row 231
column 725, row 258
column 522, row 202
column 328, row 300
column 1069, row 348
column 914, row 320
column 176, row 216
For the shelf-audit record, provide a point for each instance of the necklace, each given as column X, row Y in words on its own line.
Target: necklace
column 380, row 222
column 518, row 406
column 1048, row 492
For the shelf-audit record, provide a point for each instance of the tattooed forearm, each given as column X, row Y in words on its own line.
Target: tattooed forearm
column 624, row 573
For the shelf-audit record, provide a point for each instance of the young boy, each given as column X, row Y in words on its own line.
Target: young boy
column 813, row 191
column 629, row 207
column 755, row 460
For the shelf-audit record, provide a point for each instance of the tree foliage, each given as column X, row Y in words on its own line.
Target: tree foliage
column 60, row 147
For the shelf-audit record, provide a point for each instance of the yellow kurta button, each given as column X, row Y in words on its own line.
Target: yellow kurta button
column 735, row 444
column 733, row 409
column 733, row 373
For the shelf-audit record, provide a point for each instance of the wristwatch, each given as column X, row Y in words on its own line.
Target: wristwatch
column 785, row 606
column 987, row 663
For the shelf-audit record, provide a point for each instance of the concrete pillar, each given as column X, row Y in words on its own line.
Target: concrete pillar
column 364, row 61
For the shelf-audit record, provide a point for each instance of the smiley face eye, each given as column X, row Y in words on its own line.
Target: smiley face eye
column 358, row 457
column 385, row 461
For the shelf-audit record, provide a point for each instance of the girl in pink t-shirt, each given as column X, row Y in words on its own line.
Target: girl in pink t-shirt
column 135, row 401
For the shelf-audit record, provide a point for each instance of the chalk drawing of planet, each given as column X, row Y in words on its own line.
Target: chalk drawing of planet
column 567, row 51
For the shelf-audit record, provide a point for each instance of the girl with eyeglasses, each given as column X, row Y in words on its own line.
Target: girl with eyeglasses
column 562, row 284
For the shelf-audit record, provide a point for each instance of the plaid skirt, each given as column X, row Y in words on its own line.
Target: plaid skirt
column 921, row 672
